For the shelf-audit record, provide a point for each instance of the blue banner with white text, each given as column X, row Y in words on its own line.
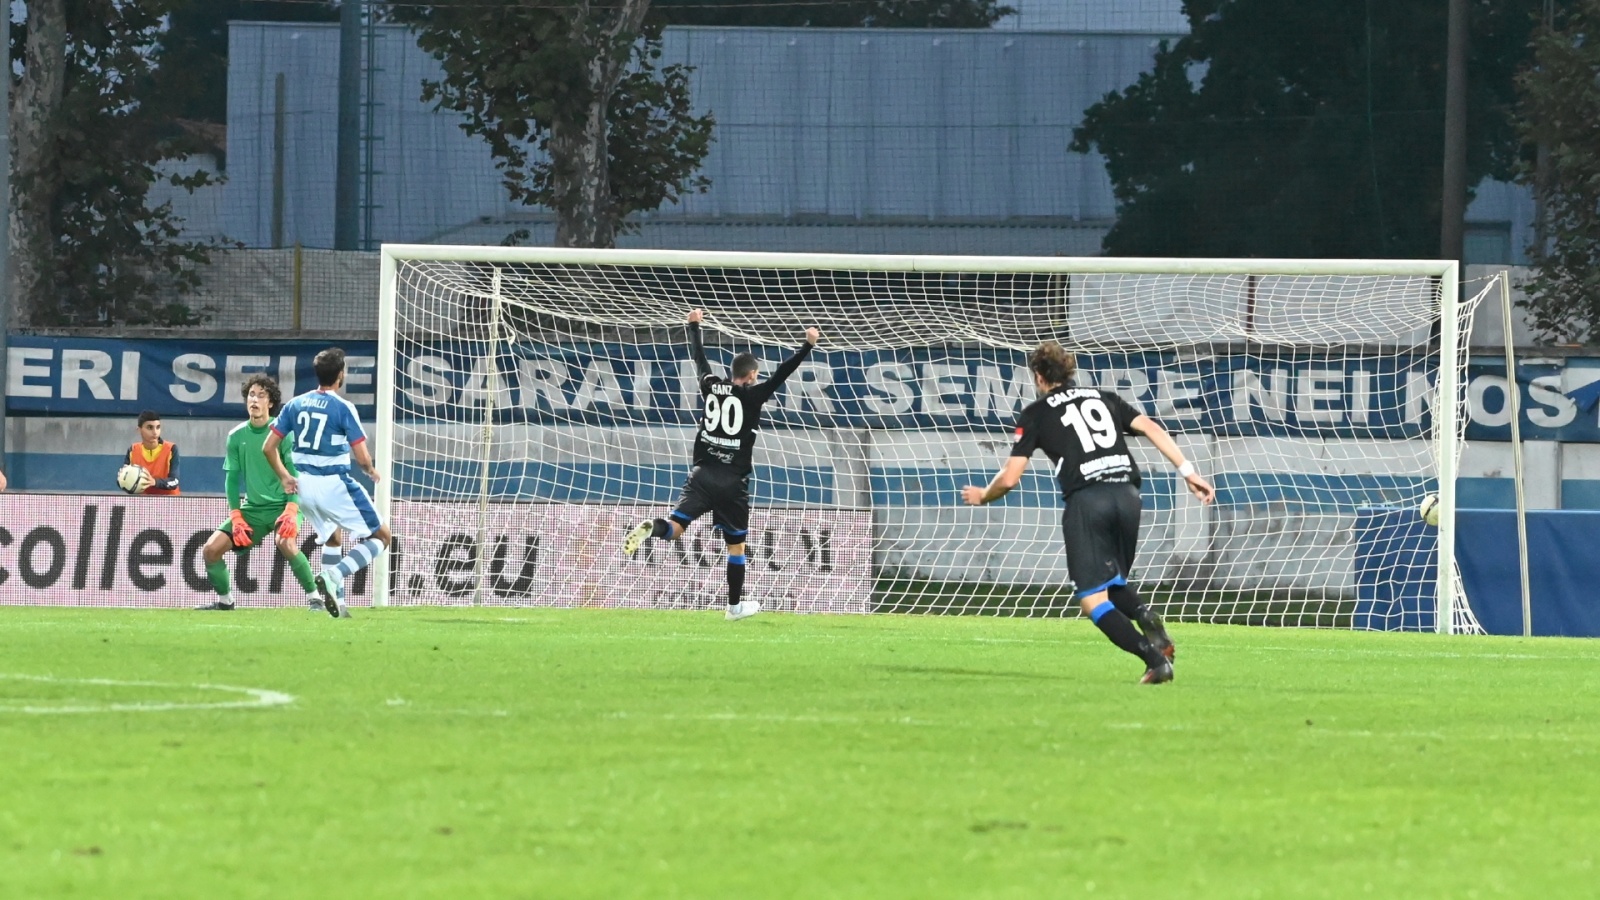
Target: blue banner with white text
column 1558, row 400
column 962, row 388
column 176, row 378
column 957, row 388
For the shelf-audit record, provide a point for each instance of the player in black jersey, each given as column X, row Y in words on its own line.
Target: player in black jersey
column 1081, row 431
column 720, row 480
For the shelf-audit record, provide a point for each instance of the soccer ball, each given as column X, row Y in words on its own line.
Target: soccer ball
column 133, row 479
column 1429, row 509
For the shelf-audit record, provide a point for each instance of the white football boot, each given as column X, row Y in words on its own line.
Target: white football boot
column 743, row 610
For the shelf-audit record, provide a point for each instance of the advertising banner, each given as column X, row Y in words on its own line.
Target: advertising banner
column 1559, row 400
column 1277, row 392
column 146, row 552
column 109, row 376
column 800, row 560
column 959, row 388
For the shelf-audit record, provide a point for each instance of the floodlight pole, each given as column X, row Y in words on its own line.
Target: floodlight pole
column 1452, row 224
column 5, row 223
column 347, row 173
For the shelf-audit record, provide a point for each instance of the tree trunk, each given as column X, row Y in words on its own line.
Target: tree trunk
column 35, row 179
column 580, row 160
column 585, row 216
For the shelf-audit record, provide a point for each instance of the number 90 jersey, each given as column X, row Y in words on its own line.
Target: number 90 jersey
column 1081, row 431
column 728, row 420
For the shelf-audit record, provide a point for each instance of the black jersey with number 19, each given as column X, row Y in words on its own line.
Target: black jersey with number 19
column 732, row 412
column 1081, row 431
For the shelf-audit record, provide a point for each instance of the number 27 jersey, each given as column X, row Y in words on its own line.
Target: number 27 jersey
column 320, row 427
column 1081, row 431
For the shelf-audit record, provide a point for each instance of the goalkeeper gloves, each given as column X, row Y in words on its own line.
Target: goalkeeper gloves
column 242, row 532
column 288, row 523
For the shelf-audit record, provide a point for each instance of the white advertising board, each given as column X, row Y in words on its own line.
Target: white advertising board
column 800, row 560
column 106, row 550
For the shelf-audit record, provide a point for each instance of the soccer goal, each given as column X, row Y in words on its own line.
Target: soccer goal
column 534, row 404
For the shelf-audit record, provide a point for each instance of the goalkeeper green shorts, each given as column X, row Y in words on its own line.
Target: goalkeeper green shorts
column 263, row 521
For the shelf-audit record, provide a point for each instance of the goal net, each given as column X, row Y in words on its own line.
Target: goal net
column 535, row 404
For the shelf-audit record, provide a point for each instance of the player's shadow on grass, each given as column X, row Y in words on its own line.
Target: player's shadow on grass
column 969, row 673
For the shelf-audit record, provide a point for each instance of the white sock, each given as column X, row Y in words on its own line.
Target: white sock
column 331, row 556
column 359, row 556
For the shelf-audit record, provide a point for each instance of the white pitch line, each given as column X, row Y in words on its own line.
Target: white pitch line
column 779, row 718
column 258, row 697
column 1382, row 652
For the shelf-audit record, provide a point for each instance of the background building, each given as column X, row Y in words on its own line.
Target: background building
column 845, row 140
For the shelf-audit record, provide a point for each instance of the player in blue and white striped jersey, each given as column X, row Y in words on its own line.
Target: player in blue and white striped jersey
column 325, row 435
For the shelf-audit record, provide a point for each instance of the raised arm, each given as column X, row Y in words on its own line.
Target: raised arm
column 789, row 366
column 1197, row 484
column 696, row 347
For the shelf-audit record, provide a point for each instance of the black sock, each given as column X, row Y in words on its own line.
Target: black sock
column 660, row 529
column 735, row 579
column 1116, row 626
column 1126, row 599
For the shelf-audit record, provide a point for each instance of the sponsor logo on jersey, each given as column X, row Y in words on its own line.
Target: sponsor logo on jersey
column 1105, row 465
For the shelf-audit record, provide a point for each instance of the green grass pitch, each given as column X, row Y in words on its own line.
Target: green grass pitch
column 590, row 753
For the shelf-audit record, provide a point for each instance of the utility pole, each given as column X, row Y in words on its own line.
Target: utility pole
column 1541, row 164
column 5, row 222
column 1452, row 225
column 347, row 184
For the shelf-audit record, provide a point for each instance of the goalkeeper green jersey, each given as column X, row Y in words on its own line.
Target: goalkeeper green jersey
column 246, row 458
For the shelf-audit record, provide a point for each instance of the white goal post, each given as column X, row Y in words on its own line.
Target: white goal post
column 535, row 403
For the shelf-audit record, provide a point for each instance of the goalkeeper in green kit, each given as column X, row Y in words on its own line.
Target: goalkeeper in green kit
column 267, row 510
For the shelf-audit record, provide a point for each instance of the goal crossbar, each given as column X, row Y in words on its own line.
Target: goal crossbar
column 892, row 263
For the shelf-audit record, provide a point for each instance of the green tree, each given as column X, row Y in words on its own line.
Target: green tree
column 88, row 133
column 1560, row 110
column 573, row 103
column 1311, row 128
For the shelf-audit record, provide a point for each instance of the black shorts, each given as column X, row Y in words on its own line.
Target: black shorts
column 722, row 491
column 1101, row 529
